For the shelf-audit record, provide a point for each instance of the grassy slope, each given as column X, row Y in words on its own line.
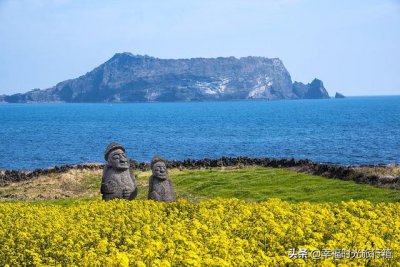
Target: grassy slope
column 252, row 184
column 262, row 183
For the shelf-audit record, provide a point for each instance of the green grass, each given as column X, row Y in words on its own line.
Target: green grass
column 256, row 184
column 91, row 182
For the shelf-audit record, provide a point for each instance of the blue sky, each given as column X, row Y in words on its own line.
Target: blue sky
column 353, row 46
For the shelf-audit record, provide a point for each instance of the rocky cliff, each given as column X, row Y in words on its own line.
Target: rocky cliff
column 134, row 78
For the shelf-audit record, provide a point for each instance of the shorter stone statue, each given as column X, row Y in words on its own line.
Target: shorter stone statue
column 160, row 185
column 117, row 180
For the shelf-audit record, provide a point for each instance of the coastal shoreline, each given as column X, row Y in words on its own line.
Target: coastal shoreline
column 385, row 176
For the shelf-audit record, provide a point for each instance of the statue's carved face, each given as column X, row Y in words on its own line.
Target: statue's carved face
column 160, row 170
column 118, row 160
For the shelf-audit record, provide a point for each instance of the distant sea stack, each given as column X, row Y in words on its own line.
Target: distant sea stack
column 339, row 95
column 135, row 78
column 313, row 90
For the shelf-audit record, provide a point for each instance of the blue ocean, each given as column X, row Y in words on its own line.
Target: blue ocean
column 350, row 131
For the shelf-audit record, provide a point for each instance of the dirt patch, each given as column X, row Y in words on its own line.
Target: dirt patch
column 71, row 184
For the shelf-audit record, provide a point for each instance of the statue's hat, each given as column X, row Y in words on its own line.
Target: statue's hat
column 156, row 159
column 112, row 147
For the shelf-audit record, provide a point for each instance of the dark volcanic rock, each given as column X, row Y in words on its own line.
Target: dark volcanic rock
column 134, row 78
column 339, row 95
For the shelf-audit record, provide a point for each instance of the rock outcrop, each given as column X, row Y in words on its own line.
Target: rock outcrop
column 339, row 95
column 313, row 90
column 134, row 78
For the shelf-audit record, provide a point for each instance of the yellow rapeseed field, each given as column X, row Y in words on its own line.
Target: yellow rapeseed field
column 214, row 232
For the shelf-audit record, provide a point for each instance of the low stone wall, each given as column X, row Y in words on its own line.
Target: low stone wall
column 305, row 166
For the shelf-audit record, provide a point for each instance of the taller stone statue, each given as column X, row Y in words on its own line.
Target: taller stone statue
column 160, row 185
column 117, row 181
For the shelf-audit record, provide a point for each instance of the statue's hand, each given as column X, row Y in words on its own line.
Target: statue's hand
column 109, row 187
column 126, row 193
column 155, row 196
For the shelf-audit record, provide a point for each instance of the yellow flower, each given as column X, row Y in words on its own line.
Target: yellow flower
column 214, row 232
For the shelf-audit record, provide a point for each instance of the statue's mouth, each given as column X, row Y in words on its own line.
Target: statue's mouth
column 123, row 165
column 162, row 175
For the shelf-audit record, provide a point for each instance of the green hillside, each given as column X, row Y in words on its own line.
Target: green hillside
column 250, row 184
column 255, row 184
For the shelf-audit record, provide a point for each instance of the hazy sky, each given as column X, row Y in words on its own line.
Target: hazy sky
column 352, row 46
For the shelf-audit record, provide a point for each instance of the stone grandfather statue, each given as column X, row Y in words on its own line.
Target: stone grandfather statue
column 160, row 185
column 117, row 181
